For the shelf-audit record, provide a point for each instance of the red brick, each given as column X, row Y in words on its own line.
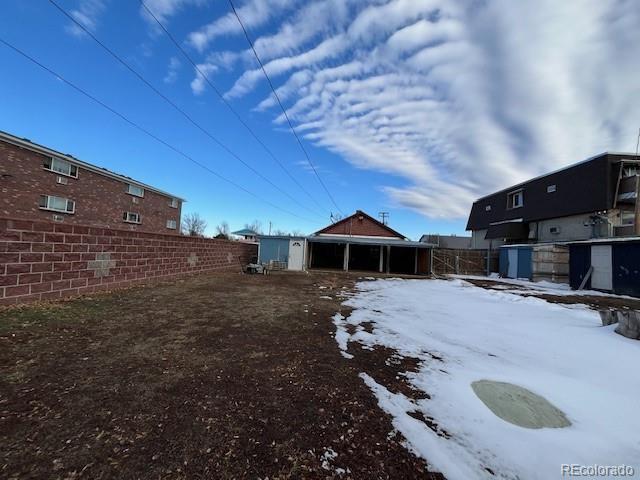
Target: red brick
column 32, row 236
column 53, row 257
column 61, row 284
column 31, row 257
column 9, row 236
column 18, row 268
column 52, row 276
column 41, row 287
column 19, row 247
column 50, row 295
column 54, row 238
column 62, row 228
column 42, row 247
column 79, row 282
column 8, row 280
column 25, row 278
column 15, row 291
column 72, row 238
column 61, row 266
column 41, row 267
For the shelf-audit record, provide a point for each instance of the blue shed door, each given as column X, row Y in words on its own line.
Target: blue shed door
column 503, row 262
column 525, row 269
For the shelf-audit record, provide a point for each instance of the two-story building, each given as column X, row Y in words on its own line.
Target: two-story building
column 596, row 198
column 38, row 183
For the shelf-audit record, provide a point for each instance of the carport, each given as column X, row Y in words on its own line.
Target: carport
column 382, row 255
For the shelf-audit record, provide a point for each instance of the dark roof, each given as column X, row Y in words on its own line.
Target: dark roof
column 585, row 187
column 328, row 228
column 508, row 231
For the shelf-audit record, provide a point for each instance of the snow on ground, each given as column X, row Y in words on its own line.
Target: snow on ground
column 561, row 353
column 542, row 286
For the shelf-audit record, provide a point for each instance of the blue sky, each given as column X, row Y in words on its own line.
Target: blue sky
column 415, row 107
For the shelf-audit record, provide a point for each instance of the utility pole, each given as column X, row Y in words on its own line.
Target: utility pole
column 269, row 227
column 384, row 216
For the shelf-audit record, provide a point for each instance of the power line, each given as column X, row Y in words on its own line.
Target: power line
column 205, row 77
column 175, row 106
column 144, row 130
column 293, row 130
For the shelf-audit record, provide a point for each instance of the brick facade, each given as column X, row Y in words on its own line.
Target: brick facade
column 49, row 261
column 360, row 224
column 100, row 200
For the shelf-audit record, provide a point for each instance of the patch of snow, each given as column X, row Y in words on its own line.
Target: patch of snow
column 327, row 457
column 462, row 333
column 543, row 286
column 342, row 336
column 326, row 297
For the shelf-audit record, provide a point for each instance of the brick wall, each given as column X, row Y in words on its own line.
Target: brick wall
column 48, row 261
column 100, row 200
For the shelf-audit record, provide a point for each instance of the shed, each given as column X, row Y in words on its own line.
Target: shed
column 516, row 261
column 610, row 265
column 282, row 251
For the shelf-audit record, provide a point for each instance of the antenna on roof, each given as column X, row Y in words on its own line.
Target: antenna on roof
column 638, row 142
column 384, row 216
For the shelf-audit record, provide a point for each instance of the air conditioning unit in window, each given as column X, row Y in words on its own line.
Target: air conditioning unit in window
column 135, row 199
column 62, row 180
column 554, row 230
column 58, row 218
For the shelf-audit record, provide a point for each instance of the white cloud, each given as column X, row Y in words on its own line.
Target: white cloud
column 172, row 70
column 199, row 83
column 87, row 13
column 253, row 13
column 165, row 9
column 454, row 99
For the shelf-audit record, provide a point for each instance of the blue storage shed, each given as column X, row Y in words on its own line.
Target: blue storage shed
column 515, row 261
column 289, row 251
column 612, row 265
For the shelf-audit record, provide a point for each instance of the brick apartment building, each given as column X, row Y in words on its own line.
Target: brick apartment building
column 38, row 183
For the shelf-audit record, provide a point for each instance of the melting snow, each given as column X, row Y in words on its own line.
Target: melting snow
column 558, row 352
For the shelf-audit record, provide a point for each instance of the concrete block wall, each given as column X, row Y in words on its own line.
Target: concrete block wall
column 48, row 261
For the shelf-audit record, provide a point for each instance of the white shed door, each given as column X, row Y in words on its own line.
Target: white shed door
column 512, row 270
column 601, row 277
column 296, row 254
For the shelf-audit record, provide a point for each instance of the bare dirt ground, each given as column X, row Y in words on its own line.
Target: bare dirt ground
column 596, row 302
column 220, row 376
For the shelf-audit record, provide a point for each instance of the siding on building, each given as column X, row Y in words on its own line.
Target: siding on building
column 100, row 200
column 360, row 224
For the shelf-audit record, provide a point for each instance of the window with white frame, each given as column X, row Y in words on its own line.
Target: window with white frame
column 551, row 188
column 131, row 217
column 57, row 204
column 173, row 203
column 515, row 199
column 135, row 190
column 60, row 166
column 172, row 224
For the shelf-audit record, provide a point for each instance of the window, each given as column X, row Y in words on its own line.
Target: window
column 61, row 166
column 515, row 199
column 173, row 203
column 551, row 188
column 131, row 217
column 57, row 204
column 172, row 224
column 488, row 208
column 630, row 171
column 135, row 190
column 554, row 230
column 627, row 217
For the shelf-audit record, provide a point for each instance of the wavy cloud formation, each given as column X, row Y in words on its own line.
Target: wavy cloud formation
column 458, row 98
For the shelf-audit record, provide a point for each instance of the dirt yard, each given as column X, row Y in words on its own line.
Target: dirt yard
column 223, row 376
